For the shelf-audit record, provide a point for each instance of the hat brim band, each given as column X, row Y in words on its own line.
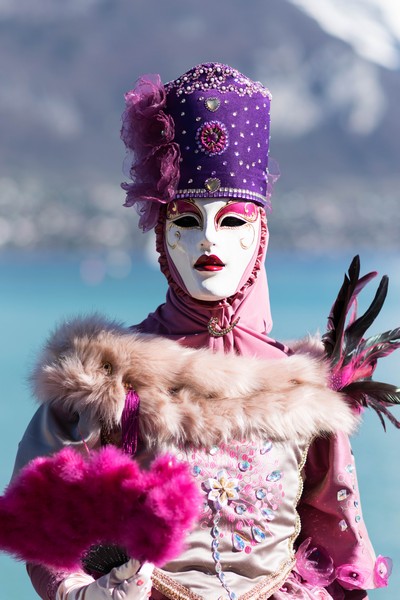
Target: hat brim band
column 224, row 192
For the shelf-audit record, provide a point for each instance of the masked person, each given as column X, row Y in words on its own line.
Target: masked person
column 198, row 160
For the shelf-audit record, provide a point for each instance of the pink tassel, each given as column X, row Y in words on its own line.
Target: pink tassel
column 130, row 423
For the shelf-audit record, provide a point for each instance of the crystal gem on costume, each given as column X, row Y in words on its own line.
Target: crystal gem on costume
column 238, row 542
column 260, row 494
column 343, row 525
column 216, row 555
column 274, row 476
column 268, row 514
column 342, row 495
column 258, row 534
column 244, row 465
column 240, row 509
column 266, row 447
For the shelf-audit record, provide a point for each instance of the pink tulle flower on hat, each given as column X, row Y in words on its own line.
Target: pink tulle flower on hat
column 314, row 564
column 350, row 577
column 152, row 156
column 143, row 102
column 382, row 571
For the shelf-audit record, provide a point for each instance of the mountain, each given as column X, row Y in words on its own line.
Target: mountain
column 370, row 27
column 335, row 132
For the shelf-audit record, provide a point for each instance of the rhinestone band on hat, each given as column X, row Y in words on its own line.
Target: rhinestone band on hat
column 222, row 192
column 217, row 76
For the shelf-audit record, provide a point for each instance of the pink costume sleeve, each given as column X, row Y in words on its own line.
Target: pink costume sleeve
column 44, row 581
column 330, row 511
column 51, row 429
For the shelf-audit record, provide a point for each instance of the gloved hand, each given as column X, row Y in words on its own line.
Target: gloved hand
column 128, row 582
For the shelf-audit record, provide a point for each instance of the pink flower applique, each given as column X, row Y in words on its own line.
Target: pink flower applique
column 382, row 571
column 314, row 564
column 351, row 578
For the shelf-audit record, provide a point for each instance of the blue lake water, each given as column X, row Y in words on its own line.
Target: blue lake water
column 38, row 290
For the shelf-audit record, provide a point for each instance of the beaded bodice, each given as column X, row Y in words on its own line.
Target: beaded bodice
column 242, row 546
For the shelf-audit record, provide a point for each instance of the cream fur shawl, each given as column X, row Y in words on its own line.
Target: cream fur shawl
column 188, row 396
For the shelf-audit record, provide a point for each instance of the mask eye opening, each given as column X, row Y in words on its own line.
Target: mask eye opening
column 187, row 221
column 232, row 221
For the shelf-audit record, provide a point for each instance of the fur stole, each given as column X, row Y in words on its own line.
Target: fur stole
column 188, row 396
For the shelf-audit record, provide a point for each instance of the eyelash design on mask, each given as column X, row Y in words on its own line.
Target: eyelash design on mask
column 247, row 214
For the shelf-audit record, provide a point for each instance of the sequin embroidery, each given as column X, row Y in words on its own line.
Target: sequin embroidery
column 243, row 487
column 212, row 138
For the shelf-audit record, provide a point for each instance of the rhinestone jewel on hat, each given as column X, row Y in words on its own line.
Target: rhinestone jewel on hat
column 212, row 138
column 212, row 184
column 212, row 104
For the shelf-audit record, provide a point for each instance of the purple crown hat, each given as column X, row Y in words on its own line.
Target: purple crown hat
column 203, row 135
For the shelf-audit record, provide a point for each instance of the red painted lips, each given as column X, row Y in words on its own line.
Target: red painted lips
column 209, row 263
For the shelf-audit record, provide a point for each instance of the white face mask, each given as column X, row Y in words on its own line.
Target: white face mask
column 211, row 243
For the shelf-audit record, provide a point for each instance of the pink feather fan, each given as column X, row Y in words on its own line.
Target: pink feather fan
column 59, row 507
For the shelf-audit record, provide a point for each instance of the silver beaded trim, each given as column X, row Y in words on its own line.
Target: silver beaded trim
column 223, row 192
column 216, row 76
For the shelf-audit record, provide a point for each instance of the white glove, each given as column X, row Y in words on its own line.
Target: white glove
column 128, row 582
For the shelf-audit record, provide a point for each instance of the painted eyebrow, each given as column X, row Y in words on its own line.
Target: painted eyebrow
column 177, row 208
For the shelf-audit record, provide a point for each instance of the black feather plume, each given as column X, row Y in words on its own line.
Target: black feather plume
column 375, row 395
column 352, row 358
column 354, row 332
